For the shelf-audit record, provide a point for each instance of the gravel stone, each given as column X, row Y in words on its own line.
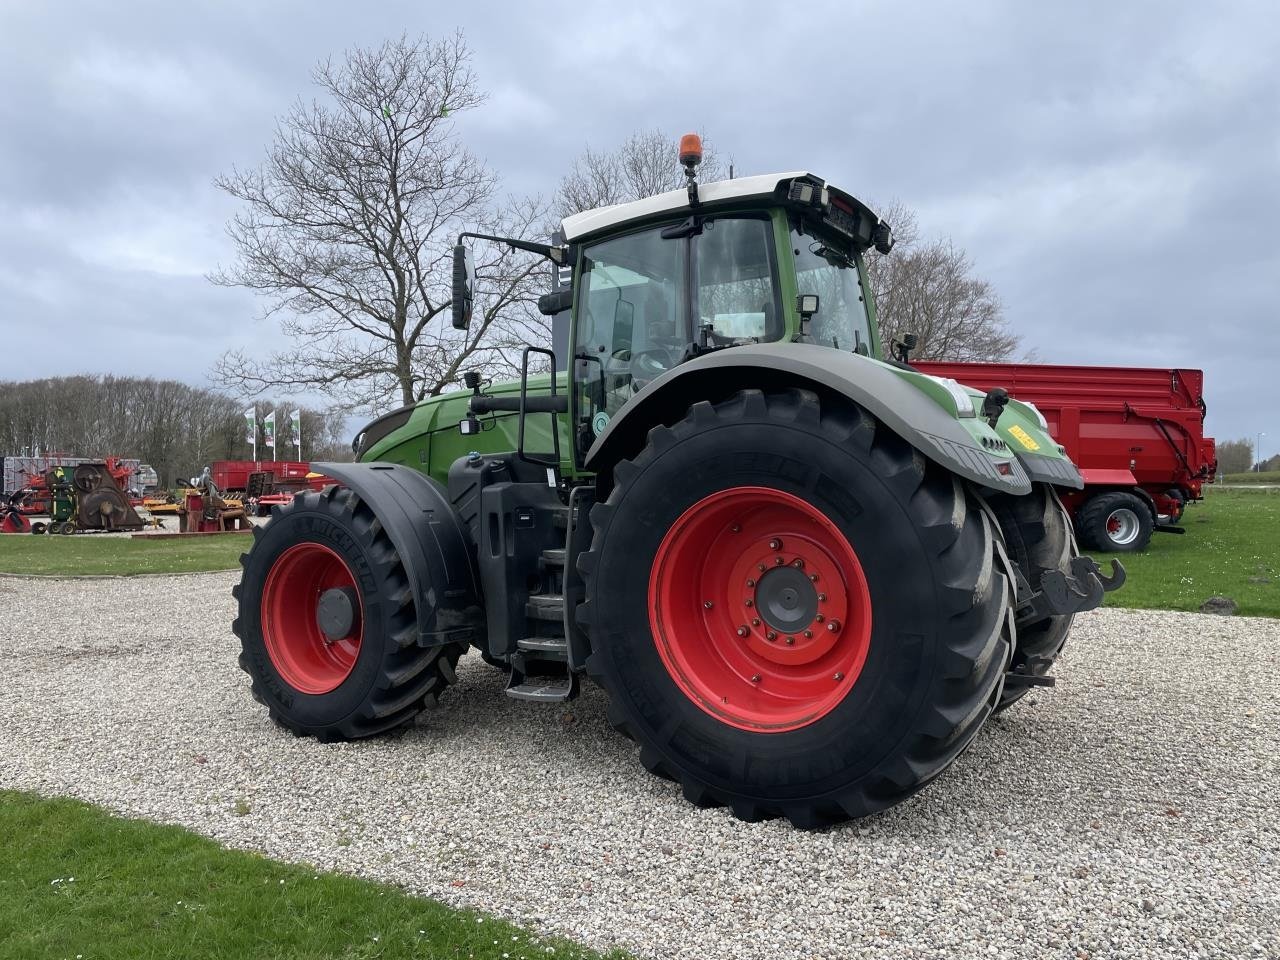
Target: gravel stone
column 1129, row 812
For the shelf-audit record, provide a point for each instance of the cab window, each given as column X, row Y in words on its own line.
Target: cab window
column 631, row 323
column 735, row 292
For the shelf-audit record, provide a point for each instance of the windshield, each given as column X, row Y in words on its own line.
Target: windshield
column 825, row 269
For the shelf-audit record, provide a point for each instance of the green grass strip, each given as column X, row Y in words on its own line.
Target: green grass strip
column 77, row 882
column 1231, row 548
column 84, row 554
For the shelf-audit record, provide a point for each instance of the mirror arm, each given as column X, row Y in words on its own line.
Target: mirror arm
column 560, row 255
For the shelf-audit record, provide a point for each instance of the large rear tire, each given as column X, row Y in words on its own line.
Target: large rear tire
column 1037, row 533
column 851, row 717
column 328, row 624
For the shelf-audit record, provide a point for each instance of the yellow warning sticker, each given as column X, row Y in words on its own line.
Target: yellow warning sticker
column 1024, row 438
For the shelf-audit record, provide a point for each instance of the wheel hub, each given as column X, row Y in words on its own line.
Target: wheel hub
column 786, row 599
column 312, row 623
column 336, row 612
column 760, row 608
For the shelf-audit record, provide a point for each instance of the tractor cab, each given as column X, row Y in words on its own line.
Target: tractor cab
column 661, row 281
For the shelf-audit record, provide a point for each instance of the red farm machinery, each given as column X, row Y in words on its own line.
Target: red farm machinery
column 1136, row 433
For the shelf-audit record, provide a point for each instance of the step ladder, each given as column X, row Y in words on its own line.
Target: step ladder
column 540, row 664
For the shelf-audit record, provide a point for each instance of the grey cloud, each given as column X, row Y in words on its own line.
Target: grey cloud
column 1112, row 168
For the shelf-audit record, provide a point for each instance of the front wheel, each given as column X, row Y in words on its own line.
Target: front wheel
column 1037, row 533
column 792, row 611
column 328, row 624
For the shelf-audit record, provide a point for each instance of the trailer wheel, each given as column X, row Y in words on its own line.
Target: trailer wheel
column 1037, row 532
column 327, row 623
column 38, row 528
column 1115, row 522
column 792, row 611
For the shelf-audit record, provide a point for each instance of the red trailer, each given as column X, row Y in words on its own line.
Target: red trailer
column 1136, row 433
column 233, row 475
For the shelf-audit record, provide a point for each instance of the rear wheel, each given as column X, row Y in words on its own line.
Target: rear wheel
column 328, row 624
column 792, row 611
column 1037, row 533
column 1115, row 522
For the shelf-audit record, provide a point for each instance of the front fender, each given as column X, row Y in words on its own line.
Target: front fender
column 1039, row 454
column 883, row 391
column 431, row 541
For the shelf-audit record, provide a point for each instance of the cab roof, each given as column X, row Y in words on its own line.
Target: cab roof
column 717, row 193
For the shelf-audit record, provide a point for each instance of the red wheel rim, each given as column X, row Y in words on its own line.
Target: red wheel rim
column 760, row 609
column 305, row 657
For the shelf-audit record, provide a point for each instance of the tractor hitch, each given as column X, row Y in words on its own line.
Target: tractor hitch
column 1063, row 592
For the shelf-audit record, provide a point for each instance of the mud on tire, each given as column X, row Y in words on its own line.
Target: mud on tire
column 941, row 632
column 391, row 678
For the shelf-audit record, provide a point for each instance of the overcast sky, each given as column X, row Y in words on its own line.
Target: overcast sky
column 1113, row 168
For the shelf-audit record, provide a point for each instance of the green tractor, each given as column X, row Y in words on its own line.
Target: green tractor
column 804, row 574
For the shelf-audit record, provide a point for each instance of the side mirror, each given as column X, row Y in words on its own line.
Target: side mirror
column 908, row 343
column 464, row 287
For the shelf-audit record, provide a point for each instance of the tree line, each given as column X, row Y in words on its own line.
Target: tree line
column 1239, row 456
column 175, row 427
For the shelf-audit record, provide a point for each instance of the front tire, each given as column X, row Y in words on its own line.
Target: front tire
column 328, row 623
column 1037, row 532
column 816, row 731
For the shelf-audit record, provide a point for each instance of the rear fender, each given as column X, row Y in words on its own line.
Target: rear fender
column 431, row 540
column 897, row 403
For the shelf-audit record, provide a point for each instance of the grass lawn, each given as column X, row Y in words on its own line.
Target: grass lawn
column 87, row 553
column 78, row 882
column 1231, row 548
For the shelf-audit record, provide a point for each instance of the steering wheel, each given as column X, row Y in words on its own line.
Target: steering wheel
column 652, row 362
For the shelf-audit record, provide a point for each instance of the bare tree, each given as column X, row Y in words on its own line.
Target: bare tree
column 927, row 287
column 347, row 228
column 645, row 164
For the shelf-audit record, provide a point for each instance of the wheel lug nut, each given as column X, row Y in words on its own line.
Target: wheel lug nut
column 813, row 578
column 775, row 544
column 708, row 604
column 749, row 602
column 771, row 636
column 736, row 528
column 838, row 676
column 833, row 626
column 750, row 582
column 779, row 561
column 791, row 641
column 755, row 621
column 822, row 598
column 808, row 634
column 755, row 678
column 743, row 631
column 760, row 567
column 798, row 563
column 819, row 618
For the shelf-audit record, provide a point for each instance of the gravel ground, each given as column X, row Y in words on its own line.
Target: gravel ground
column 1131, row 812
